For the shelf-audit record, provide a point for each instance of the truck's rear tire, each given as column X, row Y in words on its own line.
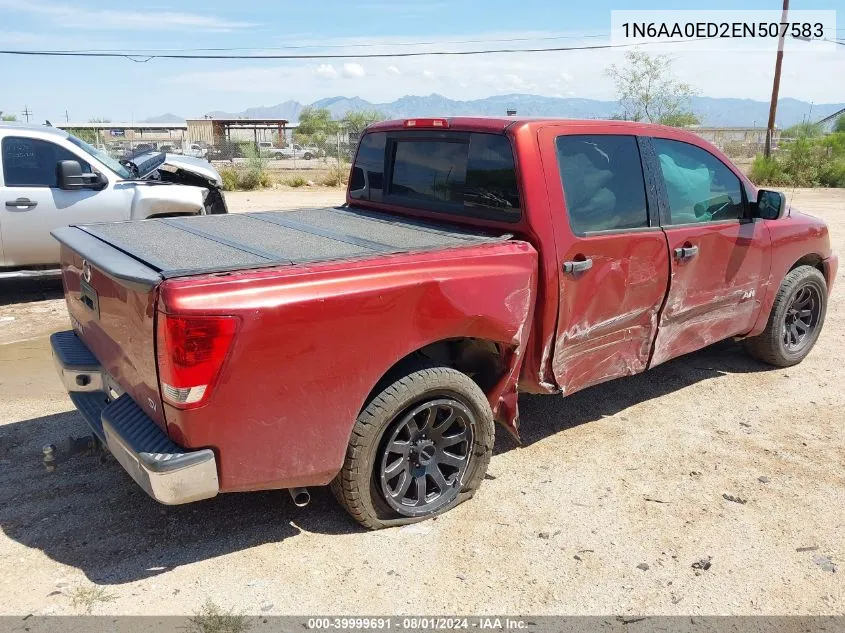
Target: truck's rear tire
column 795, row 321
column 419, row 447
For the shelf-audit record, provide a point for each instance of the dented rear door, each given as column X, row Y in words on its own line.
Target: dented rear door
column 613, row 262
column 718, row 257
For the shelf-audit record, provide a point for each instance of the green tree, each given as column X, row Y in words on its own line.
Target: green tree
column 839, row 124
column 8, row 117
column 803, row 130
column 315, row 126
column 356, row 121
column 648, row 91
column 99, row 120
column 85, row 134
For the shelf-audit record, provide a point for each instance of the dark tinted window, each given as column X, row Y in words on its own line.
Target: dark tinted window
column 699, row 186
column 29, row 162
column 466, row 174
column 367, row 180
column 602, row 182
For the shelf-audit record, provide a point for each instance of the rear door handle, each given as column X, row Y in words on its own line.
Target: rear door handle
column 577, row 266
column 686, row 252
column 21, row 203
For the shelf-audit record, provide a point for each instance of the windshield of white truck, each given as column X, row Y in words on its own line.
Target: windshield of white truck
column 101, row 156
column 459, row 173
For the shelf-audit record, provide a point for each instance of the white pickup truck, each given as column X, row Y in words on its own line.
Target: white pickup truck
column 291, row 151
column 49, row 179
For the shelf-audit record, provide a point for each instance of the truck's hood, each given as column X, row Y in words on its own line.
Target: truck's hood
column 145, row 165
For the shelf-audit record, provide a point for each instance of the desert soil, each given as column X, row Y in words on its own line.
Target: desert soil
column 615, row 494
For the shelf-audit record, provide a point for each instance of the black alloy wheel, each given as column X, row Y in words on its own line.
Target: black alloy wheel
column 424, row 457
column 801, row 318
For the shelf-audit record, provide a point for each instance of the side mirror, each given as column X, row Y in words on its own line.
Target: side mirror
column 770, row 205
column 70, row 176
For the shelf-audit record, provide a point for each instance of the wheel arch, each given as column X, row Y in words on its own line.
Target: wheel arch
column 483, row 360
column 811, row 259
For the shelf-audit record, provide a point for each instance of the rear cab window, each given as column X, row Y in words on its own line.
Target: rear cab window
column 459, row 173
column 603, row 182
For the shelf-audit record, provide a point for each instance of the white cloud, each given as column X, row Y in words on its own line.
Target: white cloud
column 77, row 17
column 428, row 74
column 353, row 70
column 393, row 70
column 326, row 71
column 511, row 82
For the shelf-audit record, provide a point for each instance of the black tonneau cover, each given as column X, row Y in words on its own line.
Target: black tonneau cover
column 176, row 247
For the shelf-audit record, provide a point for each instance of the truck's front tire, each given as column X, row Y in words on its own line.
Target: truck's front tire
column 215, row 203
column 419, row 447
column 795, row 321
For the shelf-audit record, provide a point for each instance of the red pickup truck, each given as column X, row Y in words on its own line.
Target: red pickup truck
column 372, row 346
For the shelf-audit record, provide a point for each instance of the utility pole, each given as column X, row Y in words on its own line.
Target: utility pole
column 27, row 113
column 770, row 128
column 67, row 117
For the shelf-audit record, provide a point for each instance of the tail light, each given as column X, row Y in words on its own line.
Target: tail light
column 191, row 351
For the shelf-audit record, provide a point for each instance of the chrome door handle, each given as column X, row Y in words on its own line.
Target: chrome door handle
column 577, row 266
column 686, row 252
column 21, row 203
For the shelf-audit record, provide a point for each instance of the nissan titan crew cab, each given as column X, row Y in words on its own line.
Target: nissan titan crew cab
column 371, row 347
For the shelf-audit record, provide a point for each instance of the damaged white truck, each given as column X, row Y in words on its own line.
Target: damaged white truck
column 50, row 179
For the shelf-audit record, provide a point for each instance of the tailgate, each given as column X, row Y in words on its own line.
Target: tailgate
column 111, row 299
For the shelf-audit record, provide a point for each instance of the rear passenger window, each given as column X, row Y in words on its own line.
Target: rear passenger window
column 700, row 187
column 602, row 182
column 31, row 162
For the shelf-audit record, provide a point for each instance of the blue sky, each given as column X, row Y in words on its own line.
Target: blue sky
column 122, row 89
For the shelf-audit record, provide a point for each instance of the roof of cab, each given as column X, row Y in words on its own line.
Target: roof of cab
column 501, row 123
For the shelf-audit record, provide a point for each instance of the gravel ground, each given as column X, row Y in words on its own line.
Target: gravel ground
column 616, row 495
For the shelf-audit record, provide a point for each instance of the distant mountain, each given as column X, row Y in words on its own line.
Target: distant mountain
column 339, row 106
column 288, row 110
column 165, row 118
column 713, row 111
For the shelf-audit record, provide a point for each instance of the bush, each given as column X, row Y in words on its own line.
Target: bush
column 804, row 162
column 230, row 178
column 337, row 176
column 295, row 181
column 833, row 174
column 767, row 171
column 249, row 180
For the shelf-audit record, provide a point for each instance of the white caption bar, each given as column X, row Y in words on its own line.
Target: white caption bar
column 740, row 30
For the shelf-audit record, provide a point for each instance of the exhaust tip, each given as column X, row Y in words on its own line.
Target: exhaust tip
column 301, row 497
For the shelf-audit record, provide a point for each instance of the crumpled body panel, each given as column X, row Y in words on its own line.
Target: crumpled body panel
column 314, row 340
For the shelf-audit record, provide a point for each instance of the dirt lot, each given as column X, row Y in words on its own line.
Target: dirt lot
column 616, row 492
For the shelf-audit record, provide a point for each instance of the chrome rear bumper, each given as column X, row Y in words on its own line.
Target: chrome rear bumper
column 166, row 471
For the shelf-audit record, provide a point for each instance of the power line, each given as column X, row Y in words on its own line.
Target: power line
column 147, row 57
column 142, row 51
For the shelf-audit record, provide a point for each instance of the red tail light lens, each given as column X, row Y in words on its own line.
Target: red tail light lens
column 191, row 351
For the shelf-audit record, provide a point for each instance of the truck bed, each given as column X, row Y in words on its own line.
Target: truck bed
column 175, row 247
